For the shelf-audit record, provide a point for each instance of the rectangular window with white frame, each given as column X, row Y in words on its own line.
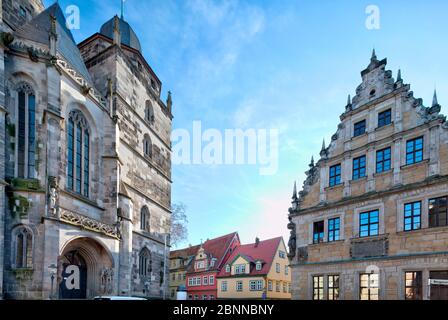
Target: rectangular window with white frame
column 224, row 286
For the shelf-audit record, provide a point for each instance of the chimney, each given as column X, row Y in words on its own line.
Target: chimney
column 257, row 242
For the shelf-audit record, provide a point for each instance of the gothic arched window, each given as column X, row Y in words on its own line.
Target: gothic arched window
column 144, row 263
column 145, row 219
column 26, row 131
column 23, row 248
column 78, row 153
column 149, row 112
column 147, row 146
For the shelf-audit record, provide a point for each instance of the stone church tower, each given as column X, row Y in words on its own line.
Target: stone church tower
column 85, row 160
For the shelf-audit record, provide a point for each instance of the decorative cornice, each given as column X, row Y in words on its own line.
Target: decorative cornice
column 97, row 97
column 88, row 223
column 368, row 196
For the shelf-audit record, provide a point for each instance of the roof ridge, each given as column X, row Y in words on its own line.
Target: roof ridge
column 38, row 28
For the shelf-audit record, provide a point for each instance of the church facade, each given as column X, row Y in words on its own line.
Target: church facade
column 85, row 160
column 371, row 221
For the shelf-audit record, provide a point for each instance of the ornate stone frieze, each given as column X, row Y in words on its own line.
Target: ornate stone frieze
column 89, row 223
column 81, row 81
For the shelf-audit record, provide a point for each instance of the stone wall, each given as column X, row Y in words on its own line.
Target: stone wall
column 387, row 192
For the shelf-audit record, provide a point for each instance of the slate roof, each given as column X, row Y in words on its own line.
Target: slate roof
column 265, row 252
column 38, row 28
column 127, row 34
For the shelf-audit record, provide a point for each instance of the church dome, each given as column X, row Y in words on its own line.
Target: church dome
column 128, row 36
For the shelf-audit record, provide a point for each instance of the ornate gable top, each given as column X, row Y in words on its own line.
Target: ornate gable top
column 376, row 82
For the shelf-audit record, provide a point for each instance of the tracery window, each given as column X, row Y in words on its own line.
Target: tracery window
column 26, row 131
column 147, row 146
column 23, row 248
column 149, row 112
column 78, row 153
column 145, row 263
column 145, row 219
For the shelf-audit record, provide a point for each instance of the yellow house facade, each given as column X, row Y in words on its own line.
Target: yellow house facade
column 256, row 271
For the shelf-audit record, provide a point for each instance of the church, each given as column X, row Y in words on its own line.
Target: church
column 85, row 160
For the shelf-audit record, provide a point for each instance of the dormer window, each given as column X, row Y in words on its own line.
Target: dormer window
column 240, row 268
column 200, row 265
column 258, row 265
column 228, row 268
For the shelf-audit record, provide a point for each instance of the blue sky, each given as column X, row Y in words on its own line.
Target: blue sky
column 287, row 65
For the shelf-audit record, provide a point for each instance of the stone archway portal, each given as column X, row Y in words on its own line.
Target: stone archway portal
column 85, row 270
column 74, row 276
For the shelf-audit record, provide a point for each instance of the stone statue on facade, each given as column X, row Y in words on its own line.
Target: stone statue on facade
column 53, row 196
column 107, row 276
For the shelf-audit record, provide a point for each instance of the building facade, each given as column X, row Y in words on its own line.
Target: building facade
column 85, row 168
column 180, row 260
column 254, row 271
column 372, row 219
column 206, row 265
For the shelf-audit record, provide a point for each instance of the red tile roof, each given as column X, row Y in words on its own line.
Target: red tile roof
column 264, row 252
column 217, row 248
column 184, row 253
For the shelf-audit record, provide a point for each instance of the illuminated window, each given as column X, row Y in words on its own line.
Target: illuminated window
column 333, row 287
column 369, row 286
column 413, row 285
column 318, row 287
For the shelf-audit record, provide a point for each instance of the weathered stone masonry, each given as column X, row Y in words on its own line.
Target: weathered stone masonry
column 351, row 182
column 85, row 156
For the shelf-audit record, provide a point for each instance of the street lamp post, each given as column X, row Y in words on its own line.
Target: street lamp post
column 52, row 268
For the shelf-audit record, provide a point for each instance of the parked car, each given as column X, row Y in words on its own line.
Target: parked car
column 117, row 298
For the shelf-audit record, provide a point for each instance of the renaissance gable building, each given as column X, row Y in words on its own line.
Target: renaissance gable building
column 85, row 160
column 372, row 219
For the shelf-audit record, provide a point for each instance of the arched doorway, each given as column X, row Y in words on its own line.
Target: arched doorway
column 74, row 276
column 85, row 269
